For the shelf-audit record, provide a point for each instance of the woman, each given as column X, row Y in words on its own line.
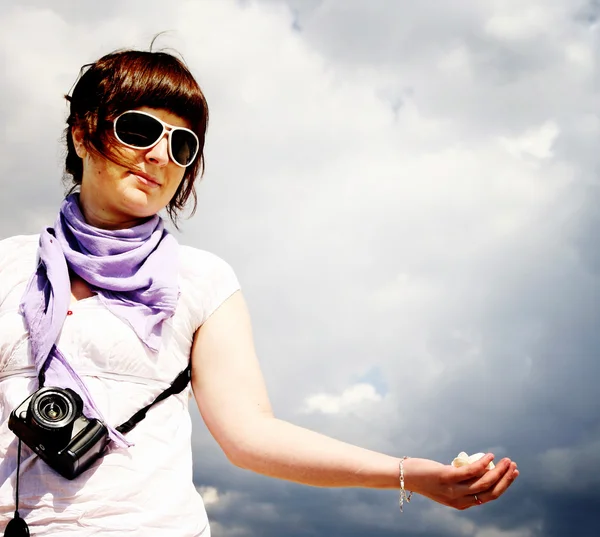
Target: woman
column 107, row 303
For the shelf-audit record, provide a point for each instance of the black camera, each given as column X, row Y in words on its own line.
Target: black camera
column 51, row 422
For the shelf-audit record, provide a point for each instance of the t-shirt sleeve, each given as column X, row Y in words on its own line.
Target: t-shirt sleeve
column 206, row 282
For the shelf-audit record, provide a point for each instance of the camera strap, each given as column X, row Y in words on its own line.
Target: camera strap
column 177, row 386
column 17, row 527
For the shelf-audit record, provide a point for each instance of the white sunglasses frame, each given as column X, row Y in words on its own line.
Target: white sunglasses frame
column 166, row 128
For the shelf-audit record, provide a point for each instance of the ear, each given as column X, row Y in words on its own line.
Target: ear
column 78, row 142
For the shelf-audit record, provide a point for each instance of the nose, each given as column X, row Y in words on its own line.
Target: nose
column 159, row 154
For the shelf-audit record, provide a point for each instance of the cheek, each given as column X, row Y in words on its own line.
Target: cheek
column 111, row 176
column 176, row 178
column 103, row 170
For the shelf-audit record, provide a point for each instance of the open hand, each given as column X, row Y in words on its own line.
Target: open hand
column 462, row 487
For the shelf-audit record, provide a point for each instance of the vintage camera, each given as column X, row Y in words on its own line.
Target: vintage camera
column 51, row 422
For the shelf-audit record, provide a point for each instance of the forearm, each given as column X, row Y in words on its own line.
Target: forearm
column 280, row 449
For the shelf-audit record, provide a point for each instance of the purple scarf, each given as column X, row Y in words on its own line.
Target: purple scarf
column 133, row 271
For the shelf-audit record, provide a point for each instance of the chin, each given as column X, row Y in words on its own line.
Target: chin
column 140, row 205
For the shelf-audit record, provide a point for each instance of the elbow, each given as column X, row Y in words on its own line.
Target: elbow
column 246, row 448
column 239, row 460
column 236, row 456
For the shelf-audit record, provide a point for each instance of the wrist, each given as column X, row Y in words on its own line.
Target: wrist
column 405, row 495
column 410, row 467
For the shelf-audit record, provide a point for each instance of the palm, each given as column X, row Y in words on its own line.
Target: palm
column 458, row 487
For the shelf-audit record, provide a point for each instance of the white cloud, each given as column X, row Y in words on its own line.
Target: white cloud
column 570, row 469
column 582, row 55
column 461, row 524
column 210, row 495
column 218, row 529
column 535, row 142
column 496, row 532
column 517, row 21
column 352, row 398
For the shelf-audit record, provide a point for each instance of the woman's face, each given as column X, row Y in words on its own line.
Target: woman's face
column 113, row 196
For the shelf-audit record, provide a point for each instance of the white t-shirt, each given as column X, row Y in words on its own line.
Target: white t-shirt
column 143, row 490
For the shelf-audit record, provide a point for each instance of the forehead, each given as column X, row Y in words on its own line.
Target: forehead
column 167, row 116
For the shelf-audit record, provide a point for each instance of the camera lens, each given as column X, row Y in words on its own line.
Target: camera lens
column 53, row 408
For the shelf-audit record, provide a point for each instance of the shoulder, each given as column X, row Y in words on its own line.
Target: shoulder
column 18, row 260
column 199, row 267
column 19, row 250
column 19, row 242
column 196, row 262
column 206, row 281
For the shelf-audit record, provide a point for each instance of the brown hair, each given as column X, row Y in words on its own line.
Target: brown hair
column 125, row 80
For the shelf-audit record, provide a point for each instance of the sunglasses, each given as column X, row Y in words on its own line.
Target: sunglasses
column 140, row 130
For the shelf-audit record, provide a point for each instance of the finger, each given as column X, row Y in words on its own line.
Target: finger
column 501, row 486
column 488, row 479
column 475, row 469
column 466, row 502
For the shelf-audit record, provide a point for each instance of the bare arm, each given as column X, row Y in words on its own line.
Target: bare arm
column 232, row 398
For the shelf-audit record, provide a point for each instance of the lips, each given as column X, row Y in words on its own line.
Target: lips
column 146, row 179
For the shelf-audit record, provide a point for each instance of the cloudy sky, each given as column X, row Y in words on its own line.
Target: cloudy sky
column 409, row 194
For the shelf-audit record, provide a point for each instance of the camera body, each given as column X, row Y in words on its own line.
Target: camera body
column 51, row 422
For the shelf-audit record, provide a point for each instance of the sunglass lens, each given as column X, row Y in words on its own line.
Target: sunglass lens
column 138, row 130
column 183, row 146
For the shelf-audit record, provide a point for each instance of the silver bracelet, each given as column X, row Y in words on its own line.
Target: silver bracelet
column 403, row 496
